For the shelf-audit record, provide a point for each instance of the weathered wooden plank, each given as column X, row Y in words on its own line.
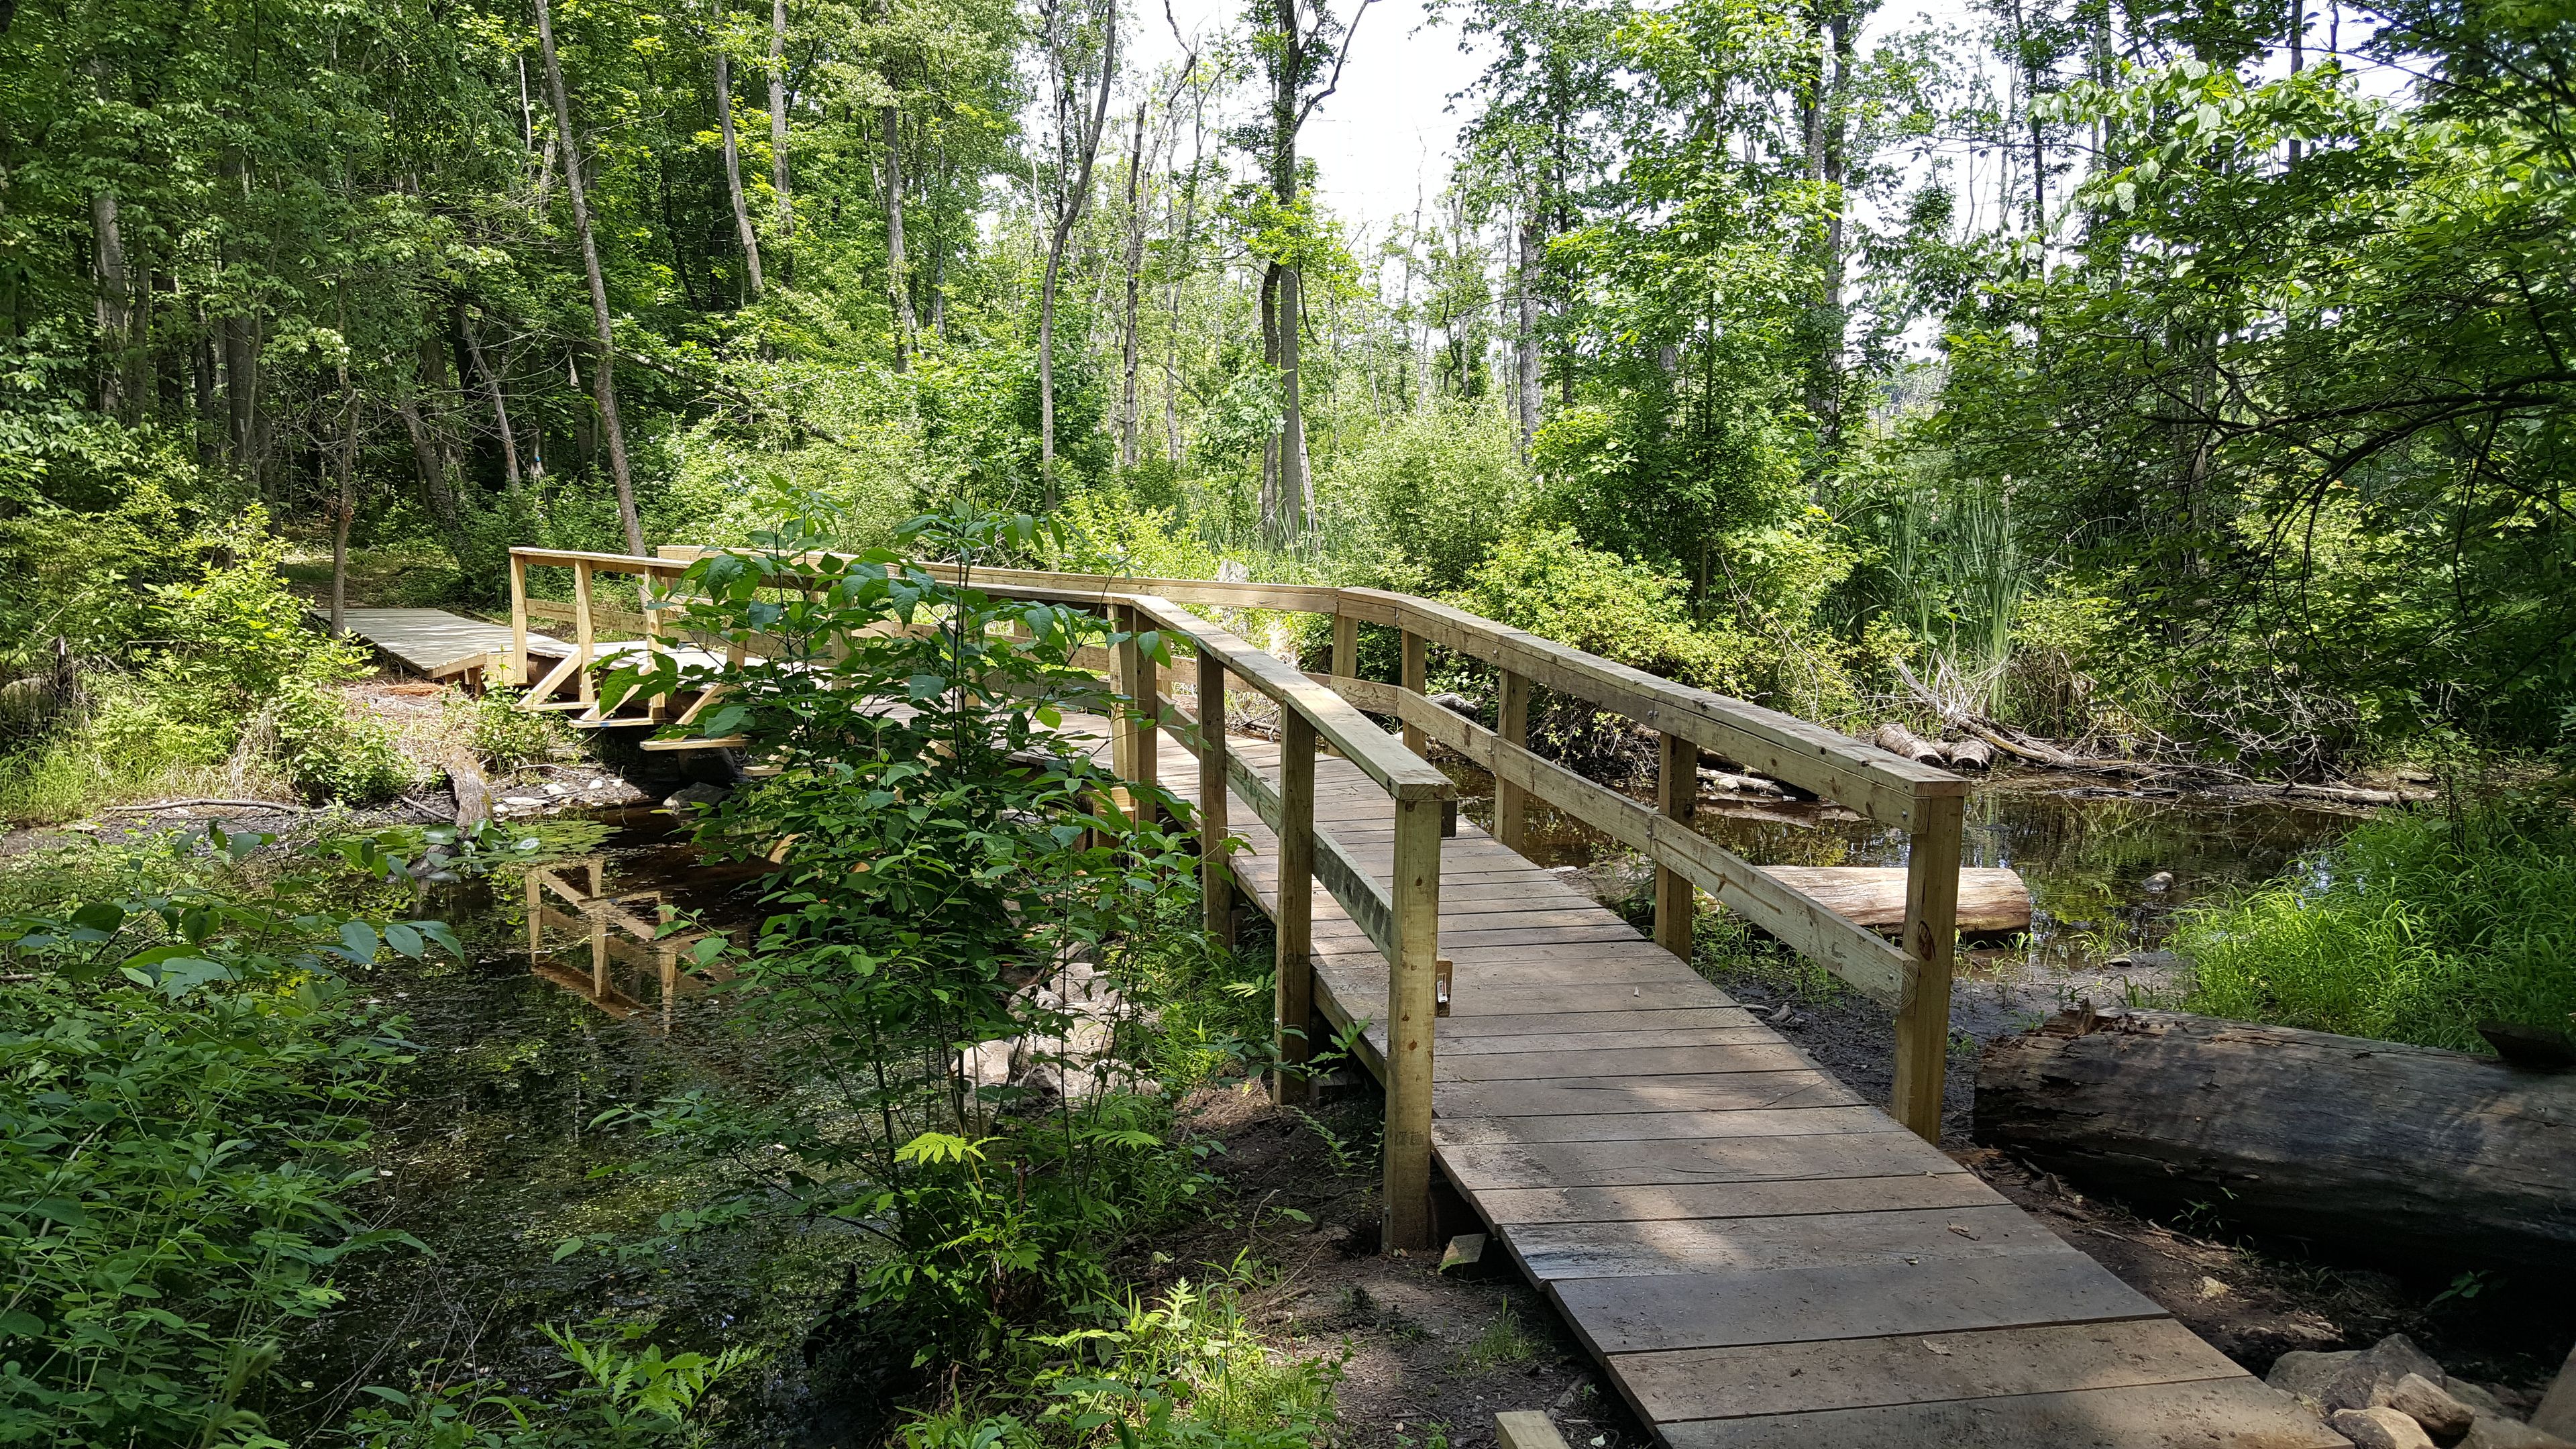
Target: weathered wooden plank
column 1874, row 896
column 2237, row 1413
column 1467, row 1030
column 1611, row 1042
column 1506, row 1205
column 1889, row 1151
column 1649, row 1126
column 1629, row 1064
column 1693, row 1246
column 1802, row 1305
column 1860, row 1373
column 1465, row 1101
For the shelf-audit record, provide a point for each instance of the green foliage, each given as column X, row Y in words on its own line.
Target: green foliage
column 619, row 1397
column 505, row 737
column 1189, row 1372
column 1431, row 494
column 949, row 873
column 183, row 1084
column 2413, row 928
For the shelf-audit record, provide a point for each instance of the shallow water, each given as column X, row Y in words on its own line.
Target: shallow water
column 2097, row 862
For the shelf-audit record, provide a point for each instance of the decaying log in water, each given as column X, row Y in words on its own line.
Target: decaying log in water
column 1969, row 754
column 1896, row 739
column 2363, row 1148
column 1874, row 896
column 473, row 797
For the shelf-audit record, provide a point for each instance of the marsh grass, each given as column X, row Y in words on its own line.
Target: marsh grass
column 2414, row 928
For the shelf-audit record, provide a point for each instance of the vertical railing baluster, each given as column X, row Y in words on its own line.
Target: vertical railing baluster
column 1511, row 721
column 1677, row 795
column 1416, row 674
column 1412, row 1004
column 520, row 674
column 1346, row 646
column 1295, row 917
column 1216, row 878
column 583, row 635
column 1931, row 933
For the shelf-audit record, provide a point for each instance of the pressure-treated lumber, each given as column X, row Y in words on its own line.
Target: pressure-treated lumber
column 1990, row 898
column 1293, row 916
column 1676, row 794
column 2355, row 1146
column 1929, row 942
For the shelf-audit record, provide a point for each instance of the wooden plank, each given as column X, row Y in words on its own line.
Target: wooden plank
column 1868, row 963
column 1887, row 1152
column 1859, row 1373
column 1802, row 1305
column 1650, row 1126
column 1874, row 896
column 1469, row 1031
column 1555, row 997
column 1415, row 669
column 1526, row 1101
column 1216, row 875
column 1526, row 1429
column 1694, row 1246
column 1453, row 1045
column 1627, row 1064
column 2237, row 1413
column 1505, row 1206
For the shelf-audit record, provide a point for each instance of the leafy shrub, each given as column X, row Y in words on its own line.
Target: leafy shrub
column 619, row 1398
column 333, row 752
column 2413, row 928
column 506, row 737
column 182, row 1089
column 1430, row 493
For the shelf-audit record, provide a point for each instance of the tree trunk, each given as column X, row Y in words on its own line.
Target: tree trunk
column 1127, row 415
column 1069, row 206
column 201, row 368
column 733, row 172
column 492, row 394
column 1530, row 383
column 603, row 370
column 115, row 306
column 778, row 115
column 1292, row 411
column 345, row 506
column 2362, row 1148
column 1270, row 359
column 898, row 272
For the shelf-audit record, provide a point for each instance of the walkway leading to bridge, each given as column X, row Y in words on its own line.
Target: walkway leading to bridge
column 1758, row 1257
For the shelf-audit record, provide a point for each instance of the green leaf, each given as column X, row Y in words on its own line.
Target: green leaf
column 358, row 942
column 19, row 1323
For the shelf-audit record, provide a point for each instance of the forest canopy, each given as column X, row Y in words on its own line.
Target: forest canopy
column 2182, row 378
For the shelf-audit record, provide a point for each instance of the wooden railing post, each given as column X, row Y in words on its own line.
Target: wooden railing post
column 583, row 635
column 1931, row 930
column 1295, row 919
column 659, row 706
column 1346, row 645
column 519, row 675
column 1416, row 676
column 1216, row 879
column 1677, row 795
column 1412, row 1004
column 1144, row 749
column 1511, row 721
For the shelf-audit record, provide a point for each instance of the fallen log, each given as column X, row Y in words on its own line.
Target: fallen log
column 1970, row 754
column 473, row 796
column 1896, row 739
column 1874, row 896
column 2366, row 1149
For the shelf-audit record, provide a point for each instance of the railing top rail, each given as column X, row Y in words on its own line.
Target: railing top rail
column 615, row 563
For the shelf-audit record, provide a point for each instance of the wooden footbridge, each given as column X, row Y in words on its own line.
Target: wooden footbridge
column 1757, row 1257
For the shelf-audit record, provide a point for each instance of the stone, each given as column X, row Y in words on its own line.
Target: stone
column 2376, row 1368
column 2478, row 1398
column 2379, row 1428
column 2429, row 1404
column 988, row 1064
column 2495, row 1431
column 694, row 797
column 2162, row 880
column 2304, row 1375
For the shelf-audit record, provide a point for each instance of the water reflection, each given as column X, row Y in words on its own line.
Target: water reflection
column 632, row 929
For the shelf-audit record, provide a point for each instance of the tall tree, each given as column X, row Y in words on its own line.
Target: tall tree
column 1079, row 114
column 733, row 168
column 603, row 368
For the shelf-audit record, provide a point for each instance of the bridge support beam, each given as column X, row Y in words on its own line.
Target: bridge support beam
column 1412, row 1004
column 1931, row 934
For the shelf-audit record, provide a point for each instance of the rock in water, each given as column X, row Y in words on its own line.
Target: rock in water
column 2380, row 1428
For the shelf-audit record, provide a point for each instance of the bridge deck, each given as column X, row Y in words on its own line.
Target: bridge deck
column 437, row 644
column 1757, row 1257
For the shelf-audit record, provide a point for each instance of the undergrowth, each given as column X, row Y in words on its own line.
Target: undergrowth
column 2413, row 928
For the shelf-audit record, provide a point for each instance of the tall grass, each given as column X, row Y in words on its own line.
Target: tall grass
column 2413, row 928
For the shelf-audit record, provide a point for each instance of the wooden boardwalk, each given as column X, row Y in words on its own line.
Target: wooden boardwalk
column 1757, row 1257
column 436, row 644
